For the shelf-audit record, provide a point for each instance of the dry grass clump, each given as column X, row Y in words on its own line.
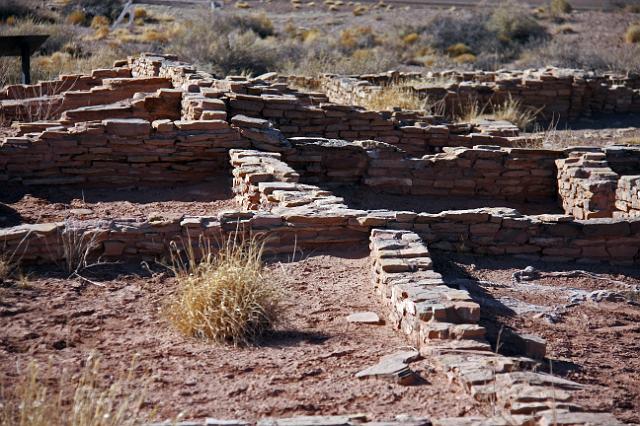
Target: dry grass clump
column 559, row 7
column 223, row 296
column 632, row 35
column 77, row 17
column 510, row 110
column 514, row 112
column 395, row 96
column 34, row 403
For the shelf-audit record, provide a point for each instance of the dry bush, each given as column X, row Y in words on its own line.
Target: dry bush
column 469, row 111
column 99, row 22
column 151, row 35
column 395, row 96
column 223, row 296
column 583, row 54
column 77, row 17
column 510, row 110
column 458, row 49
column 34, row 403
column 514, row 23
column 465, row 58
column 91, row 8
column 558, row 8
column 78, row 247
column 139, row 13
column 514, row 112
column 632, row 35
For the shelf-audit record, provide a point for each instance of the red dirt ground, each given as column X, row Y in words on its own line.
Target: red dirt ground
column 306, row 367
column 37, row 205
column 592, row 343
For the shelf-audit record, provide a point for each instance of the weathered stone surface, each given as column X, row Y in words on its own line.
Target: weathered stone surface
column 364, row 318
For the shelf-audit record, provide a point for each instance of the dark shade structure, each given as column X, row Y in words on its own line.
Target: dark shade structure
column 23, row 46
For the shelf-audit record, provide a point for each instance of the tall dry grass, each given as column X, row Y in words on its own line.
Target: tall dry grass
column 510, row 110
column 394, row 96
column 223, row 295
column 85, row 401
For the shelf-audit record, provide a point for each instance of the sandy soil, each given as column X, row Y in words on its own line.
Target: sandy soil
column 367, row 199
column 306, row 367
column 36, row 205
column 592, row 343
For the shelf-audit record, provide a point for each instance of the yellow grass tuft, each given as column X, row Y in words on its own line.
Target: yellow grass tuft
column 33, row 403
column 395, row 96
column 458, row 49
column 77, row 17
column 99, row 22
column 223, row 297
column 514, row 112
column 410, row 38
column 632, row 35
column 140, row 13
column 510, row 110
column 154, row 36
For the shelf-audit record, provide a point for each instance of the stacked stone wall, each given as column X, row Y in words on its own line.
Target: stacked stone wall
column 595, row 182
column 121, row 151
column 556, row 93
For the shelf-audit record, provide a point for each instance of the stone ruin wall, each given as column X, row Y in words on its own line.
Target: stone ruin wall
column 597, row 183
column 515, row 174
column 557, row 93
column 138, row 152
column 305, row 217
column 120, row 151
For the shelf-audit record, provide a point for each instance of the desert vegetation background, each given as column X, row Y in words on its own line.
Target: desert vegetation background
column 312, row 37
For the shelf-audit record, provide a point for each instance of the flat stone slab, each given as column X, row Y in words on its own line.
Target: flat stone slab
column 393, row 367
column 364, row 318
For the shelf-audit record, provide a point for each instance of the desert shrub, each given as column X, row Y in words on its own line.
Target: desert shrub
column 514, row 23
column 458, row 49
column 99, row 22
column 21, row 9
column 223, row 296
column 494, row 37
column 139, row 13
column 410, row 38
column 319, row 58
column 91, row 8
column 231, row 44
column 92, row 403
column 560, row 7
column 353, row 39
column 151, row 35
column 632, row 35
column 77, row 17
column 582, row 54
column 394, row 96
column 465, row 58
